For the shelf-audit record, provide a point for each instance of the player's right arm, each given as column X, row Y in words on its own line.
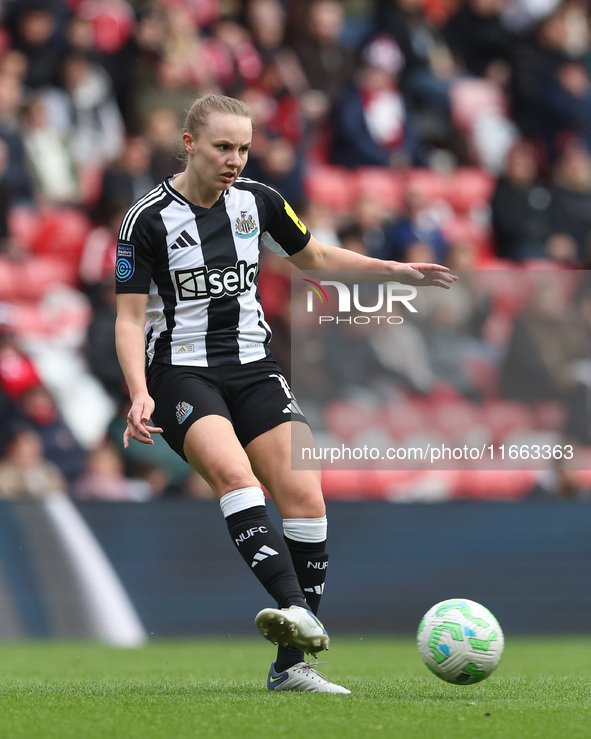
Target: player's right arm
column 130, row 343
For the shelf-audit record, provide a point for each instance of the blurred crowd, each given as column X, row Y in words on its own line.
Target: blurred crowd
column 456, row 131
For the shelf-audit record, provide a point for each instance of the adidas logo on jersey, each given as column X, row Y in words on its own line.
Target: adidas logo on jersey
column 183, row 241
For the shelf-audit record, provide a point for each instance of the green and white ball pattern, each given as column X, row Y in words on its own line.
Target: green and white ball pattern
column 460, row 641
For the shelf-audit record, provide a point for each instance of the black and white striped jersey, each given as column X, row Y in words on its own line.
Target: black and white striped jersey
column 199, row 268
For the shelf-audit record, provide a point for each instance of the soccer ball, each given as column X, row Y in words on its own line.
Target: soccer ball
column 460, row 641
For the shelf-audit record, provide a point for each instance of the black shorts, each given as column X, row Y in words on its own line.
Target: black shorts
column 255, row 397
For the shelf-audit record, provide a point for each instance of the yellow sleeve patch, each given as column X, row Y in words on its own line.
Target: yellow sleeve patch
column 291, row 213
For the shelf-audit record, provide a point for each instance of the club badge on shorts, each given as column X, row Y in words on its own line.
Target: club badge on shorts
column 183, row 411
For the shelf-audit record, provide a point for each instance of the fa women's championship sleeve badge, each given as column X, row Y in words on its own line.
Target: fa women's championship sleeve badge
column 245, row 226
column 125, row 266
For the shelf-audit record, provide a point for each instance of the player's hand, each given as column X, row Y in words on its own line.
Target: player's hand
column 137, row 422
column 425, row 274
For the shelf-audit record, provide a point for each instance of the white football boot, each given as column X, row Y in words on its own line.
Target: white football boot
column 293, row 627
column 303, row 677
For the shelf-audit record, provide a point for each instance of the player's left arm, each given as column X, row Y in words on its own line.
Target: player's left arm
column 318, row 256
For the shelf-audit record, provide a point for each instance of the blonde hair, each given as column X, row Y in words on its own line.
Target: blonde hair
column 209, row 103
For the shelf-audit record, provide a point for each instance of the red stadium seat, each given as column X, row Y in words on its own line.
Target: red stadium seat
column 22, row 224
column 583, row 474
column 465, row 229
column 368, row 484
column 428, row 485
column 387, row 483
column 495, row 263
column 434, row 185
column 381, row 184
column 35, row 276
column 505, row 417
column 471, row 188
column 456, row 418
column 540, row 264
column 344, row 484
column 500, row 484
column 8, row 283
column 346, row 419
column 550, row 415
column 405, row 417
column 61, row 231
column 28, row 320
column 333, row 187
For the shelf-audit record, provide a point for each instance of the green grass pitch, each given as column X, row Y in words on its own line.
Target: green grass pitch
column 216, row 688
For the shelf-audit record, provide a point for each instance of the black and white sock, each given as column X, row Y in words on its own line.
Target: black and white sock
column 261, row 546
column 306, row 541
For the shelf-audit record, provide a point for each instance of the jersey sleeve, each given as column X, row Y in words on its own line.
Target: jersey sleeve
column 135, row 261
column 285, row 233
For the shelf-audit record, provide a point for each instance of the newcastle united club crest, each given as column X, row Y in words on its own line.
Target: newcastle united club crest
column 245, row 226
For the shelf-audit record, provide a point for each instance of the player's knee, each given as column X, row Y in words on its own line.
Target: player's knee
column 232, row 477
column 304, row 504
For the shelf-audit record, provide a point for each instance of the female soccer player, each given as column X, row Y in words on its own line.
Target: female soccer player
column 187, row 267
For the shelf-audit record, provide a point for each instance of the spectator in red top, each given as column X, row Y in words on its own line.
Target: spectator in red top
column 38, row 411
column 373, row 122
column 17, row 371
